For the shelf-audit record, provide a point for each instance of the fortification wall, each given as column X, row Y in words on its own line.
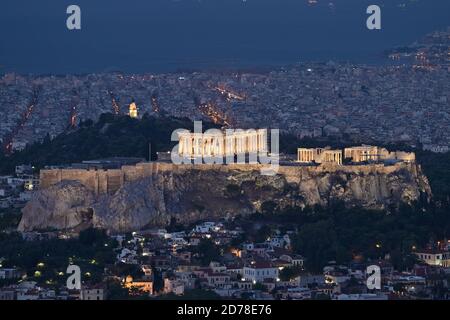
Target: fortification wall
column 109, row 181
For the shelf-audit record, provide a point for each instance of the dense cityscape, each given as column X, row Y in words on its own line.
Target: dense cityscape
column 210, row 261
column 398, row 103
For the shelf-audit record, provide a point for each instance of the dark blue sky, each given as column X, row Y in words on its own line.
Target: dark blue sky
column 163, row 35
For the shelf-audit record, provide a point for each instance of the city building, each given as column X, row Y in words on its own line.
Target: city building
column 260, row 271
column 9, row 273
column 174, row 286
column 92, row 293
column 434, row 257
column 107, row 163
column 142, row 285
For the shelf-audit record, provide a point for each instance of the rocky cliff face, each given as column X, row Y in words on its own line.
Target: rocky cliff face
column 63, row 206
column 190, row 195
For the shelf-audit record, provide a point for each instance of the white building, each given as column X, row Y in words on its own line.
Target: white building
column 259, row 271
column 9, row 273
column 92, row 294
column 299, row 293
column 434, row 257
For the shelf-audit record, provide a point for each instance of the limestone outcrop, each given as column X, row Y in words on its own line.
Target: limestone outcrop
column 62, row 206
column 190, row 194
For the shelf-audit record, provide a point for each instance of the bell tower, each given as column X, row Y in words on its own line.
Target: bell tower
column 133, row 110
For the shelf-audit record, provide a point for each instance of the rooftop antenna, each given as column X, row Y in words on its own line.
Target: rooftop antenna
column 149, row 152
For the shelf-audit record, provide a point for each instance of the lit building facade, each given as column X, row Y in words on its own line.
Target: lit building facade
column 319, row 155
column 435, row 257
column 143, row 285
column 366, row 153
column 222, row 144
column 133, row 110
column 362, row 153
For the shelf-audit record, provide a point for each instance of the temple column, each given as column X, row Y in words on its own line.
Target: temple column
column 221, row 146
column 239, row 144
column 194, row 146
column 181, row 146
column 185, row 146
column 209, row 149
column 214, row 146
column 198, row 147
column 260, row 143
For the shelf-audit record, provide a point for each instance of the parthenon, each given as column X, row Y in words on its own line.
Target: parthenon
column 220, row 144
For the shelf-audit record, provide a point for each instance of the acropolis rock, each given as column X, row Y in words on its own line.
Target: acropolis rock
column 152, row 194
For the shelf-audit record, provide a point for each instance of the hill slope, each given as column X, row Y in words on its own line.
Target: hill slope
column 110, row 136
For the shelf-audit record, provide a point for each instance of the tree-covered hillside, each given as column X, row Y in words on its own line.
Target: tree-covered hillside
column 111, row 136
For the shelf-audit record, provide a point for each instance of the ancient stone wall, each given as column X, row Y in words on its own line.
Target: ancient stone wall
column 152, row 194
column 109, row 181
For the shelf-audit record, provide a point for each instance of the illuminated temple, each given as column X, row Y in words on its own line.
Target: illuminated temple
column 359, row 154
column 220, row 144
